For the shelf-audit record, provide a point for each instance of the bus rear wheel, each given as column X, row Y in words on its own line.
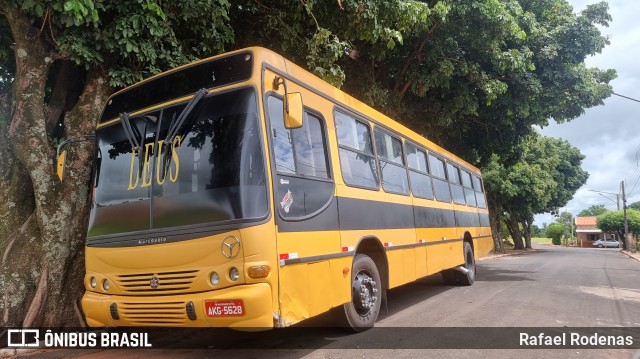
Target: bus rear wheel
column 469, row 265
column 456, row 277
column 366, row 296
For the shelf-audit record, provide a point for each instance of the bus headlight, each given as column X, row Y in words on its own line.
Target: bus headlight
column 105, row 285
column 234, row 274
column 215, row 278
column 93, row 282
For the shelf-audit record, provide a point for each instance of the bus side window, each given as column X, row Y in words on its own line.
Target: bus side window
column 281, row 138
column 454, row 179
column 477, row 186
column 418, row 172
column 302, row 179
column 300, row 151
column 469, row 193
column 310, row 154
column 356, row 154
column 394, row 174
column 440, row 184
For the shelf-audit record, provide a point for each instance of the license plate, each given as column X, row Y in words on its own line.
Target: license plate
column 225, row 308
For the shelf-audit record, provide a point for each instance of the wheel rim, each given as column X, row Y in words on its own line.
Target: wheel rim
column 365, row 293
column 470, row 265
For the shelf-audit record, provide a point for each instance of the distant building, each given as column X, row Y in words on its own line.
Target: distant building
column 588, row 232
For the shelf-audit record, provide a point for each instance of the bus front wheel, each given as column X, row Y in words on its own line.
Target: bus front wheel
column 366, row 296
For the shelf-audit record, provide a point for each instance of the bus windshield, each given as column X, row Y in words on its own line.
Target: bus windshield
column 215, row 172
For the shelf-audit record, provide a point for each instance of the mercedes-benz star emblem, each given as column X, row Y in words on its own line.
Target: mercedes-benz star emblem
column 231, row 247
column 154, row 282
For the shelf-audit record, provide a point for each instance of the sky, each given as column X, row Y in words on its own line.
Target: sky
column 609, row 135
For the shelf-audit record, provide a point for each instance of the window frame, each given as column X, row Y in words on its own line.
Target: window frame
column 426, row 157
column 373, row 154
column 427, row 173
column 479, row 178
column 464, row 171
column 325, row 140
column 445, row 179
column 456, row 168
column 437, row 156
column 402, row 157
column 480, row 192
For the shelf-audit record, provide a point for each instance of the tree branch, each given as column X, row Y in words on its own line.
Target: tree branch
column 405, row 87
column 306, row 6
column 413, row 55
column 82, row 118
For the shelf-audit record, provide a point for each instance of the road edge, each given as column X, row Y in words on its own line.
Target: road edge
column 514, row 253
column 634, row 256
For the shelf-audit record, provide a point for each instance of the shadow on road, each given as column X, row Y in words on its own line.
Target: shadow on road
column 502, row 275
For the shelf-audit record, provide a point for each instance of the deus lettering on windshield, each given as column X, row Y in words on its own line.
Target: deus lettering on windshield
column 147, row 178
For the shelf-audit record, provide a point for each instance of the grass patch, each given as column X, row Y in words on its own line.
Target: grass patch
column 540, row 240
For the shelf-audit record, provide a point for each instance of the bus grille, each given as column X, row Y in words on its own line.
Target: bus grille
column 167, row 282
column 150, row 314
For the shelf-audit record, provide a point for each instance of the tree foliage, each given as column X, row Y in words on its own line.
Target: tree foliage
column 613, row 221
column 634, row 205
column 487, row 69
column 544, row 179
column 593, row 210
column 568, row 223
column 555, row 232
column 537, row 231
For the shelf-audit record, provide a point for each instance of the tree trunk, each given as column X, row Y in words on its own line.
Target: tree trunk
column 42, row 263
column 514, row 229
column 526, row 225
column 494, row 221
column 16, row 211
column 623, row 240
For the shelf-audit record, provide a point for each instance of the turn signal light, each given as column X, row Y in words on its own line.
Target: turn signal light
column 258, row 272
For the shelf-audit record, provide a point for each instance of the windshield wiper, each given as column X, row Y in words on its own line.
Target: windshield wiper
column 133, row 134
column 176, row 126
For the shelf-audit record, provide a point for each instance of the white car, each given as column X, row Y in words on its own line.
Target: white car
column 607, row 242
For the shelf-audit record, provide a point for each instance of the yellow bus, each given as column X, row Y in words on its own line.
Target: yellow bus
column 242, row 191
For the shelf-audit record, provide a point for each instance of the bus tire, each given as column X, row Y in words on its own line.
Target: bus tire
column 366, row 296
column 469, row 264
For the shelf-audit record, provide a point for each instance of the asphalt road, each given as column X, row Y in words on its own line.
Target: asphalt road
column 551, row 287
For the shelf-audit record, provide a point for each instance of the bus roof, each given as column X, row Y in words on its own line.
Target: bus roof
column 316, row 84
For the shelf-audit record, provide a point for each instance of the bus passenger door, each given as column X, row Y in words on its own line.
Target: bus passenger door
column 305, row 211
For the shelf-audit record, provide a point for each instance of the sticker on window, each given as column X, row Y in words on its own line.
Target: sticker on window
column 287, row 201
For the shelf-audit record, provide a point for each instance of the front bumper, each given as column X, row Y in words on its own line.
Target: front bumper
column 171, row 311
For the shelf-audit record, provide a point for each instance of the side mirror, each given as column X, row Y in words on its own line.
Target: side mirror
column 293, row 114
column 61, row 163
column 61, row 155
